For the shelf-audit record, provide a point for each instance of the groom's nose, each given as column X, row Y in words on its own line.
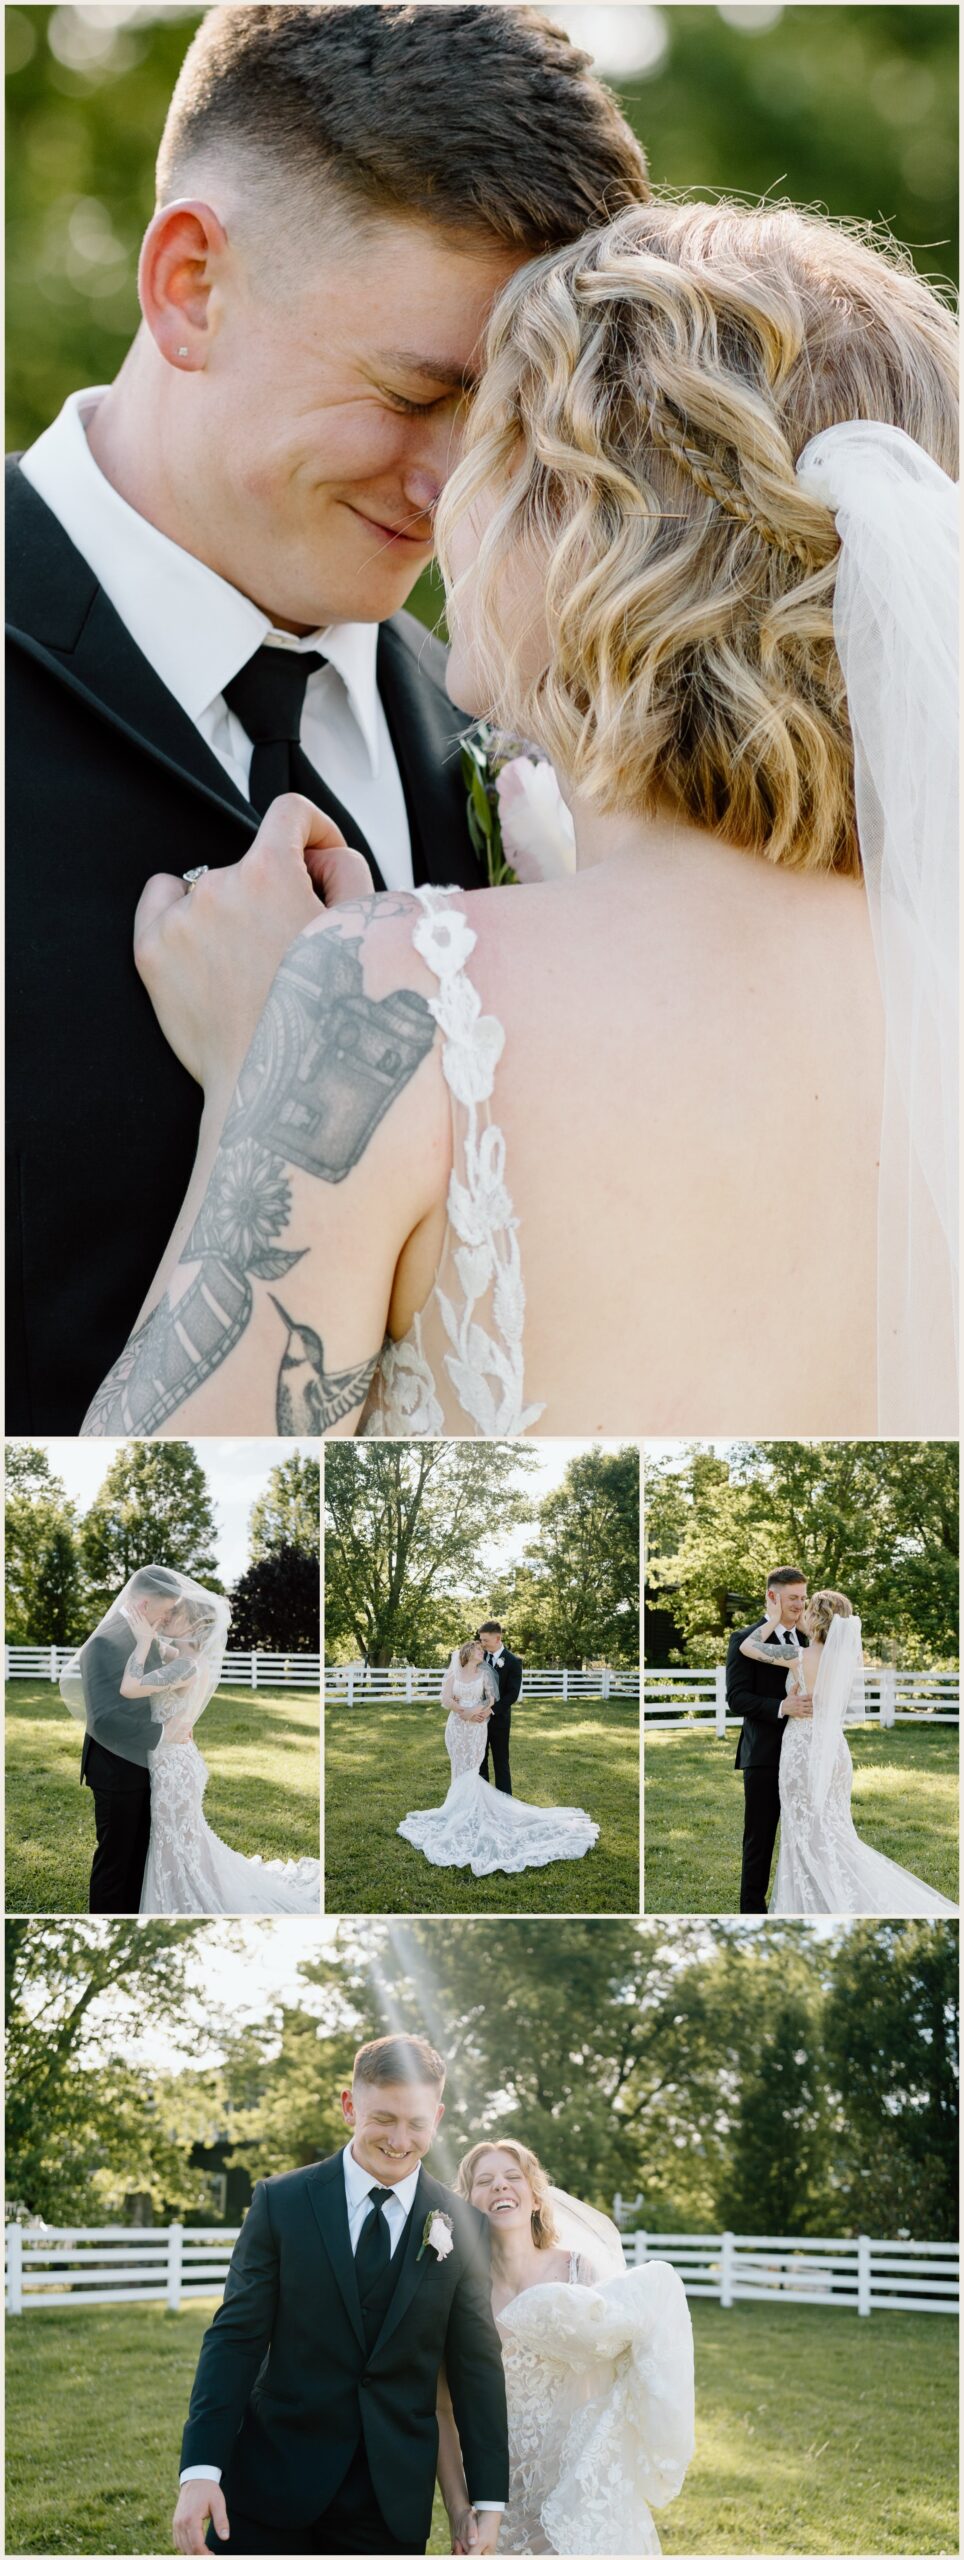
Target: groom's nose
column 422, row 486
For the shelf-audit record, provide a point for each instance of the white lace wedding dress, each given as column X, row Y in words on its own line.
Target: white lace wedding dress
column 478, row 1826
column 599, row 2385
column 188, row 1868
column 473, row 1322
column 824, row 1865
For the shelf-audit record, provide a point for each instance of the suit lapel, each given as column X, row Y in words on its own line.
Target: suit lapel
column 425, row 729
column 330, row 2207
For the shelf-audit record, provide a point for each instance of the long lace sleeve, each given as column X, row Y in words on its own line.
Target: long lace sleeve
column 449, row 1693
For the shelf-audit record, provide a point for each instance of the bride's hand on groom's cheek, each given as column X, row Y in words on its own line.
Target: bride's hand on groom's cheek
column 208, row 954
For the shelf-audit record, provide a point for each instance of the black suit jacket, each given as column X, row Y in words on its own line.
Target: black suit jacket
column 756, row 1693
column 108, row 781
column 103, row 1661
column 285, row 2388
column 509, row 1677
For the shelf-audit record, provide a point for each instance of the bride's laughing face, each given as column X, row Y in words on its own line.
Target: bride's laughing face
column 501, row 2190
column 393, row 2125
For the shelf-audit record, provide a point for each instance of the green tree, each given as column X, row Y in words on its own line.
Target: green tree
column 153, row 1508
column 60, row 1589
column 878, row 1519
column 406, row 1526
column 891, row 2040
column 40, row 1526
column 288, row 1512
column 276, row 1605
column 772, row 2175
column 575, row 1598
column 83, row 2130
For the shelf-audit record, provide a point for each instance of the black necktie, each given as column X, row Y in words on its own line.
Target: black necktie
column 269, row 698
column 374, row 2250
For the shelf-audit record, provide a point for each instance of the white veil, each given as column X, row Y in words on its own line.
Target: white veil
column 589, row 2234
column 166, row 1635
column 838, row 1699
column 896, row 632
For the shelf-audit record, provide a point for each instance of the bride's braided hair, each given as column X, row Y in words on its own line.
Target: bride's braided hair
column 821, row 1610
column 632, row 452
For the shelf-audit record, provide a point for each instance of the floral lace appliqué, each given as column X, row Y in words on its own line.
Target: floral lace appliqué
column 484, row 1319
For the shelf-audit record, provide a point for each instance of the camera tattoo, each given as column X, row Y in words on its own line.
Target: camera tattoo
column 324, row 1067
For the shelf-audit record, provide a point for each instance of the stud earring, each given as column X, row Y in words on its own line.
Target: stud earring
column 182, row 351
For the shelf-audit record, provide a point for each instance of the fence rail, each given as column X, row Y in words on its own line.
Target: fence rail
column 352, row 1684
column 66, row 2269
column 698, row 1698
column 241, row 1670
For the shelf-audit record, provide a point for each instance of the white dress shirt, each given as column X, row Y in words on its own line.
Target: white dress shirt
column 197, row 631
column 358, row 2186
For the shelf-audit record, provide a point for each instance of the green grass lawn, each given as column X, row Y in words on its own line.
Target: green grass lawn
column 816, row 2431
column 384, row 1761
column 261, row 1747
column 905, row 1803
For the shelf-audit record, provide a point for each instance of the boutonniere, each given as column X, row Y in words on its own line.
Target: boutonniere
column 518, row 821
column 437, row 2235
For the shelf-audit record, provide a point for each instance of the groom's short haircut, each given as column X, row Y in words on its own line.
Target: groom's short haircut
column 784, row 1573
column 155, row 1582
column 390, row 2059
column 474, row 118
column 491, row 1627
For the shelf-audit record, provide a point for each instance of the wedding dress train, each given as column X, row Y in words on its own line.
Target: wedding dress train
column 599, row 2386
column 824, row 1865
column 479, row 1827
column 190, row 1869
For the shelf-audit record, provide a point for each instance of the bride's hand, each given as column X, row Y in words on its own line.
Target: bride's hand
column 208, row 954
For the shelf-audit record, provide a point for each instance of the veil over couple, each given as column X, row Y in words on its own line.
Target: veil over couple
column 378, row 2328
column 688, row 466
column 796, row 1678
column 138, row 1686
column 482, row 1826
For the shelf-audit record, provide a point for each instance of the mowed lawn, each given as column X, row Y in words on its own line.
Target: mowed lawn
column 382, row 1762
column 905, row 1803
column 262, row 1750
column 815, row 2432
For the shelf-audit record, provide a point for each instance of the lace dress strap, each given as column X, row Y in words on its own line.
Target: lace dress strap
column 479, row 1287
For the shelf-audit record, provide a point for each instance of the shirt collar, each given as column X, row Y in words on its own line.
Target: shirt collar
column 195, row 629
column 359, row 2183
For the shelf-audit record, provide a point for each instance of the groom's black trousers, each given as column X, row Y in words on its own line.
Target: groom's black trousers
column 497, row 1741
column 353, row 2522
column 761, row 1814
column 123, row 1826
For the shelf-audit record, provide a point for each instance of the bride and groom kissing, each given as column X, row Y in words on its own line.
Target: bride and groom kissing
column 481, row 1826
column 654, row 440
column 796, row 1679
column 379, row 2328
column 138, row 1686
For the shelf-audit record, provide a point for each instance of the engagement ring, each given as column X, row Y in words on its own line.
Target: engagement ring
column 198, row 873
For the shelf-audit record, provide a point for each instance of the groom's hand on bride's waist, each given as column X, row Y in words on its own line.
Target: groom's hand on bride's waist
column 198, row 2500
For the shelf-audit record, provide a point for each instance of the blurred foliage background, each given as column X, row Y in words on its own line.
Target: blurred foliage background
column 851, row 108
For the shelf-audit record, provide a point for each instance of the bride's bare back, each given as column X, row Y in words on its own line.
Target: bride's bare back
column 689, row 1093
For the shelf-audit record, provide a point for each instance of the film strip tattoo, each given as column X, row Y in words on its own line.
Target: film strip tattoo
column 324, row 1068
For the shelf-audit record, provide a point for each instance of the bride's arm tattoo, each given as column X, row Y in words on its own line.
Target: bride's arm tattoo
column 773, row 1655
column 325, row 1066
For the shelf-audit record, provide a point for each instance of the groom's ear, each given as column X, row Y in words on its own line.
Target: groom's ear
column 348, row 2106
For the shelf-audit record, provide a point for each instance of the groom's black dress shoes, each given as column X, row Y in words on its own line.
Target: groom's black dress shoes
column 108, row 780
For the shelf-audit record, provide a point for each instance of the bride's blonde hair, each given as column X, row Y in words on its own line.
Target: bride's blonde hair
column 544, row 2231
column 466, row 1650
column 645, row 399
column 821, row 1610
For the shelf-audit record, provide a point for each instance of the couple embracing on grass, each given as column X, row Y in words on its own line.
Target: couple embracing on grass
column 380, row 2330
column 482, row 1826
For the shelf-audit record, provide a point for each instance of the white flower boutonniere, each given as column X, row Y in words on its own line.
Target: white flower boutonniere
column 437, row 2235
column 518, row 821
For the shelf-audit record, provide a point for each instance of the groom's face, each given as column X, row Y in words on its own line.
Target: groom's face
column 316, row 437
column 393, row 2125
column 792, row 1597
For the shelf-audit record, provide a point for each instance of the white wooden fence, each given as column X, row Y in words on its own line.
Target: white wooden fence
column 676, row 1698
column 241, row 1670
column 355, row 1685
column 53, row 2270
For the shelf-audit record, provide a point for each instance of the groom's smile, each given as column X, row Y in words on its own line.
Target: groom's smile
column 393, row 2125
